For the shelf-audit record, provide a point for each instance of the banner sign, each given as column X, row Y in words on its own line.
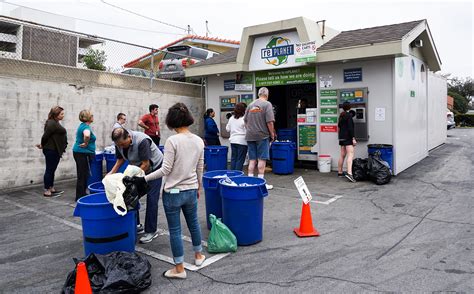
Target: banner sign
column 302, row 75
column 353, row 75
column 305, row 52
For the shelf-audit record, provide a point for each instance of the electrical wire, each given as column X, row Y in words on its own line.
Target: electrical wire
column 96, row 22
column 144, row 16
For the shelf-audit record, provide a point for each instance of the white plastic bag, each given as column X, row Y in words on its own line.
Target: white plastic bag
column 114, row 187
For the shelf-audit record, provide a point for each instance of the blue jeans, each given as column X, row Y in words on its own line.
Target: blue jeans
column 152, row 198
column 238, row 156
column 173, row 204
column 52, row 160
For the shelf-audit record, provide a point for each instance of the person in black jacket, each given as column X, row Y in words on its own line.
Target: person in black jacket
column 347, row 141
column 53, row 144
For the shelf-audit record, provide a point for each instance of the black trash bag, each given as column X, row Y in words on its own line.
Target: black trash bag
column 118, row 272
column 359, row 169
column 134, row 190
column 379, row 170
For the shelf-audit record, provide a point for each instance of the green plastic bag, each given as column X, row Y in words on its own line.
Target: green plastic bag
column 221, row 239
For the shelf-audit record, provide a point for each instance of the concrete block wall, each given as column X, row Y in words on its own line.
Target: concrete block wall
column 26, row 97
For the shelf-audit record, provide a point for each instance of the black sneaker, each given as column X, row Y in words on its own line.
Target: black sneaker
column 341, row 174
column 350, row 178
column 58, row 192
column 140, row 229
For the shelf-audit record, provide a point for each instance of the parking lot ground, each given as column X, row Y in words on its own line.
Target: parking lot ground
column 415, row 234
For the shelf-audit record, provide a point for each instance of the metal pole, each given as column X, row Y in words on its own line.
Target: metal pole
column 152, row 69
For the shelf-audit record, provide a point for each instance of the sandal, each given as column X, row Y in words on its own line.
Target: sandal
column 170, row 275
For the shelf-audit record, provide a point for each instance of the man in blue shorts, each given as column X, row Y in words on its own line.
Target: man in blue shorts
column 259, row 122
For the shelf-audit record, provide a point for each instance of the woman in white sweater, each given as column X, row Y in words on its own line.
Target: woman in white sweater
column 238, row 144
column 182, row 165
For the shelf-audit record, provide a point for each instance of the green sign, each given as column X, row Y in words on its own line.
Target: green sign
column 332, row 101
column 412, row 93
column 302, row 75
column 328, row 93
column 329, row 119
column 326, row 110
column 307, row 138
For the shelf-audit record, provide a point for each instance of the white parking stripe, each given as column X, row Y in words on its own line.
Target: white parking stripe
column 150, row 253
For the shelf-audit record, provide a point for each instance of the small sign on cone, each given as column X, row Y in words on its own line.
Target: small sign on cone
column 83, row 286
column 306, row 228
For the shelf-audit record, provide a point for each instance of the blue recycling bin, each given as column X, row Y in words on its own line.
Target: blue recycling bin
column 96, row 168
column 213, row 195
column 289, row 134
column 242, row 208
column 283, row 157
column 96, row 187
column 215, row 157
column 110, row 160
column 386, row 152
column 103, row 230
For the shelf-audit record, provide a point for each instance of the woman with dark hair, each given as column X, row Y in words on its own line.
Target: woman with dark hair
column 83, row 151
column 211, row 132
column 347, row 141
column 182, row 166
column 238, row 144
column 53, row 144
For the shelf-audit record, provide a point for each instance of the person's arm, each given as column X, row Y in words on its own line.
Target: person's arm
column 214, row 128
column 166, row 166
column 350, row 128
column 200, row 169
column 48, row 132
column 227, row 127
column 270, row 119
column 116, row 166
column 271, row 129
column 86, row 137
column 141, row 123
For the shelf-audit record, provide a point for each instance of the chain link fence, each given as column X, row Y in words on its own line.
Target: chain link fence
column 29, row 41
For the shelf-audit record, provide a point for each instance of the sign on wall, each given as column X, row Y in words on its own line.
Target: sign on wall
column 302, row 75
column 305, row 52
column 353, row 75
column 246, row 98
column 243, row 81
column 274, row 51
column 306, row 138
column 229, row 85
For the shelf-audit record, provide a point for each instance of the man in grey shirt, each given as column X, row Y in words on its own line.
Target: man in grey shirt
column 259, row 122
column 121, row 119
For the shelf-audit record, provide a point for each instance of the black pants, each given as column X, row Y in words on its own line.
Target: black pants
column 213, row 142
column 52, row 160
column 83, row 161
column 156, row 140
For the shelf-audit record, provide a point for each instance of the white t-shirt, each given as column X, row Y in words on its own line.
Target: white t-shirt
column 237, row 130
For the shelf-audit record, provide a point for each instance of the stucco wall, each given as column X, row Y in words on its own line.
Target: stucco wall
column 28, row 90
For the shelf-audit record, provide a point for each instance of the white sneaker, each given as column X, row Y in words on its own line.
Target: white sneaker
column 148, row 237
column 269, row 187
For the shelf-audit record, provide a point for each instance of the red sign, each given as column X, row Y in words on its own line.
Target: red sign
column 301, row 120
column 328, row 129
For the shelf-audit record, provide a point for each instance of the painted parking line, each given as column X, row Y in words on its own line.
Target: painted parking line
column 148, row 252
column 327, row 202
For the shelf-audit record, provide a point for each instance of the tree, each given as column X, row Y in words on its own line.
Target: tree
column 464, row 87
column 460, row 102
column 95, row 59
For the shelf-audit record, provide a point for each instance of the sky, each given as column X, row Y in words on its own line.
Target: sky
column 450, row 22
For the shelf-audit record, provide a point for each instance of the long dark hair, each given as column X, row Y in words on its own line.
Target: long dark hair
column 239, row 110
column 208, row 113
column 54, row 113
column 345, row 106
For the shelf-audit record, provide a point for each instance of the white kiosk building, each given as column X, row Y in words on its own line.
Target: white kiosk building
column 386, row 73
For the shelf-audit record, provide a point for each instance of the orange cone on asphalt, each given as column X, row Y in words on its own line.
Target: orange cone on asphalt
column 83, row 286
column 306, row 228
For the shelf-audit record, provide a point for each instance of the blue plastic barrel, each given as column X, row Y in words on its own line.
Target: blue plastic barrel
column 212, row 191
column 96, row 187
column 242, row 208
column 283, row 157
column 215, row 157
column 96, row 168
column 386, row 152
column 287, row 135
column 110, row 160
column 103, row 230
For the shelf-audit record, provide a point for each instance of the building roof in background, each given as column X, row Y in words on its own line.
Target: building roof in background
column 369, row 36
column 381, row 34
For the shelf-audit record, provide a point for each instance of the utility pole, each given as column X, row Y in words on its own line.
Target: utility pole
column 207, row 29
column 189, row 30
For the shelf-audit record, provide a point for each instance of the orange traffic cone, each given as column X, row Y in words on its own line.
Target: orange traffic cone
column 83, row 286
column 306, row 228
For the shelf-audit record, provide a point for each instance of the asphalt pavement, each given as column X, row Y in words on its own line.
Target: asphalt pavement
column 415, row 234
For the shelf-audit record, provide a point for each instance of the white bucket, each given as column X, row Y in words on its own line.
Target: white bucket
column 324, row 163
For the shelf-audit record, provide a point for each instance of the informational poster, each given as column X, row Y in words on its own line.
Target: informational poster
column 379, row 114
column 328, row 101
column 307, row 138
column 243, row 81
column 353, row 75
column 329, row 128
column 303, row 190
column 351, row 96
column 302, row 75
column 328, row 110
column 305, row 52
column 329, row 119
column 228, row 102
column 325, row 81
column 246, row 98
column 328, row 93
column 229, row 85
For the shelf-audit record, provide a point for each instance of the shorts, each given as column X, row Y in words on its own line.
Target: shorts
column 259, row 149
column 345, row 143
